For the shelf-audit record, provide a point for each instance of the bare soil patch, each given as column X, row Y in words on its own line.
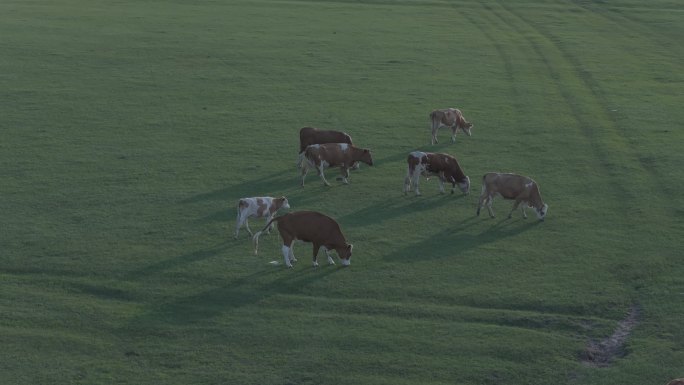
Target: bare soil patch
column 603, row 353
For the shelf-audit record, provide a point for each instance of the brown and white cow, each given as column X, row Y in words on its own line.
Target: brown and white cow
column 311, row 135
column 449, row 117
column 342, row 155
column 445, row 166
column 512, row 186
column 313, row 227
column 259, row 207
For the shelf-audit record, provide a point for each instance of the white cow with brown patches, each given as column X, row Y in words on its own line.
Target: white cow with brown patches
column 520, row 188
column 258, row 207
column 342, row 155
column 444, row 166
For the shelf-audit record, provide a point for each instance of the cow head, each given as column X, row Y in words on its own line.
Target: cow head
column 466, row 128
column 285, row 204
column 366, row 157
column 541, row 211
column 464, row 185
column 345, row 254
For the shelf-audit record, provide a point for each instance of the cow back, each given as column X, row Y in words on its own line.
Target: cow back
column 312, row 135
column 312, row 226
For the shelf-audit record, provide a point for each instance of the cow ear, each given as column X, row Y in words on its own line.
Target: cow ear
column 350, row 247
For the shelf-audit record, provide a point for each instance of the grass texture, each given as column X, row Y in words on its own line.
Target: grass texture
column 130, row 129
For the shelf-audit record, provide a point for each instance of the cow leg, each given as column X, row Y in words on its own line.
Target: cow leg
column 345, row 174
column 238, row 224
column 292, row 256
column 434, row 136
column 287, row 251
column 441, row 182
column 485, row 199
column 316, row 248
column 320, row 172
column 522, row 208
column 453, row 134
column 515, row 206
column 247, row 226
column 407, row 183
column 270, row 227
column 305, row 170
column 330, row 259
column 416, row 180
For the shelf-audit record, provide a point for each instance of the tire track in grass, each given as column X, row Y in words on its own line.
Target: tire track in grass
column 619, row 159
column 628, row 25
column 587, row 118
column 612, row 144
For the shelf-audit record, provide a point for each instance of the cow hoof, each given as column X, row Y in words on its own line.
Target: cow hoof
column 315, row 264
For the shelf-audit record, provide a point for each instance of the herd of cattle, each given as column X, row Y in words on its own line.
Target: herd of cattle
column 321, row 149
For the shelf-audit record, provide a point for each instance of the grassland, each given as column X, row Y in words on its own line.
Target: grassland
column 130, row 128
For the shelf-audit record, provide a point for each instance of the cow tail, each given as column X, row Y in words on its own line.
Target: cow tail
column 300, row 159
column 255, row 238
column 484, row 185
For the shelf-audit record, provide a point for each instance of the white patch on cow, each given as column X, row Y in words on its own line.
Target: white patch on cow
column 345, row 262
column 344, row 147
column 286, row 256
column 529, row 184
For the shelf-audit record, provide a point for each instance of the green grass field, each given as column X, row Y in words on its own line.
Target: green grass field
column 129, row 130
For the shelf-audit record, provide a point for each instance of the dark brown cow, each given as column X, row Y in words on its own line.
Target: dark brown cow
column 313, row 227
column 449, row 117
column 677, row 381
column 342, row 155
column 445, row 166
column 259, row 207
column 311, row 135
column 511, row 186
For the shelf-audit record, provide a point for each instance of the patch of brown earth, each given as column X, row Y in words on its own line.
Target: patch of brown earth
column 603, row 353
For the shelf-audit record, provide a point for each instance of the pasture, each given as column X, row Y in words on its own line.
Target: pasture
column 129, row 130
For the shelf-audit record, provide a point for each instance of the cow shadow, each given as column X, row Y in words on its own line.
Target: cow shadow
column 457, row 240
column 273, row 184
column 393, row 208
column 240, row 292
column 178, row 261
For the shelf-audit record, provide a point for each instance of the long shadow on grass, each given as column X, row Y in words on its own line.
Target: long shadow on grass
column 244, row 291
column 395, row 207
column 457, row 239
column 270, row 184
column 181, row 260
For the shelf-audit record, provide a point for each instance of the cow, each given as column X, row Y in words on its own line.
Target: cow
column 445, row 166
column 676, row 381
column 449, row 117
column 342, row 155
column 309, row 226
column 511, row 186
column 311, row 135
column 259, row 207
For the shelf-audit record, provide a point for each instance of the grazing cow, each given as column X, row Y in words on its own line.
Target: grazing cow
column 260, row 207
column 311, row 135
column 449, row 117
column 343, row 155
column 445, row 166
column 511, row 186
column 310, row 226
column 676, row 381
